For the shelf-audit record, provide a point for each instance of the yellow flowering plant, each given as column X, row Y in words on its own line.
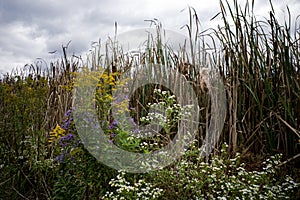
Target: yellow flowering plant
column 56, row 133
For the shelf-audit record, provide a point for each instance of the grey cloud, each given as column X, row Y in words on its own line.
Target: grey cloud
column 32, row 28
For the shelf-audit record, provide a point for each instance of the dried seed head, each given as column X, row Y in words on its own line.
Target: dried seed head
column 204, row 79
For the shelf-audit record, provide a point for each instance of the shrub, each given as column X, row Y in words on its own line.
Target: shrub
column 139, row 189
column 223, row 178
column 78, row 175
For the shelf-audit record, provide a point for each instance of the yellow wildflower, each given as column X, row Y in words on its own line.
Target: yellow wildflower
column 56, row 133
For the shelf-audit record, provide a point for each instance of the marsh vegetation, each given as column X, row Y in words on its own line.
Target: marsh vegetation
column 257, row 154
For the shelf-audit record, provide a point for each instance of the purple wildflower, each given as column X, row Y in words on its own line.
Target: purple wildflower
column 66, row 124
column 68, row 113
column 114, row 123
column 70, row 136
column 131, row 108
column 62, row 139
column 67, row 137
column 60, row 158
column 110, row 127
column 132, row 121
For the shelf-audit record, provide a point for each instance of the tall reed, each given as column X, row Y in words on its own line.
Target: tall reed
column 258, row 60
column 260, row 65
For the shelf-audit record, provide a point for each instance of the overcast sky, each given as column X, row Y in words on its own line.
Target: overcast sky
column 29, row 29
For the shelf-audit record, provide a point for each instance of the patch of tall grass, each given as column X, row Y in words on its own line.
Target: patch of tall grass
column 260, row 65
column 259, row 62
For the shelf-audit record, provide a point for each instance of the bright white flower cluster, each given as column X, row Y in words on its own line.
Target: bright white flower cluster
column 166, row 112
column 139, row 190
column 225, row 178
